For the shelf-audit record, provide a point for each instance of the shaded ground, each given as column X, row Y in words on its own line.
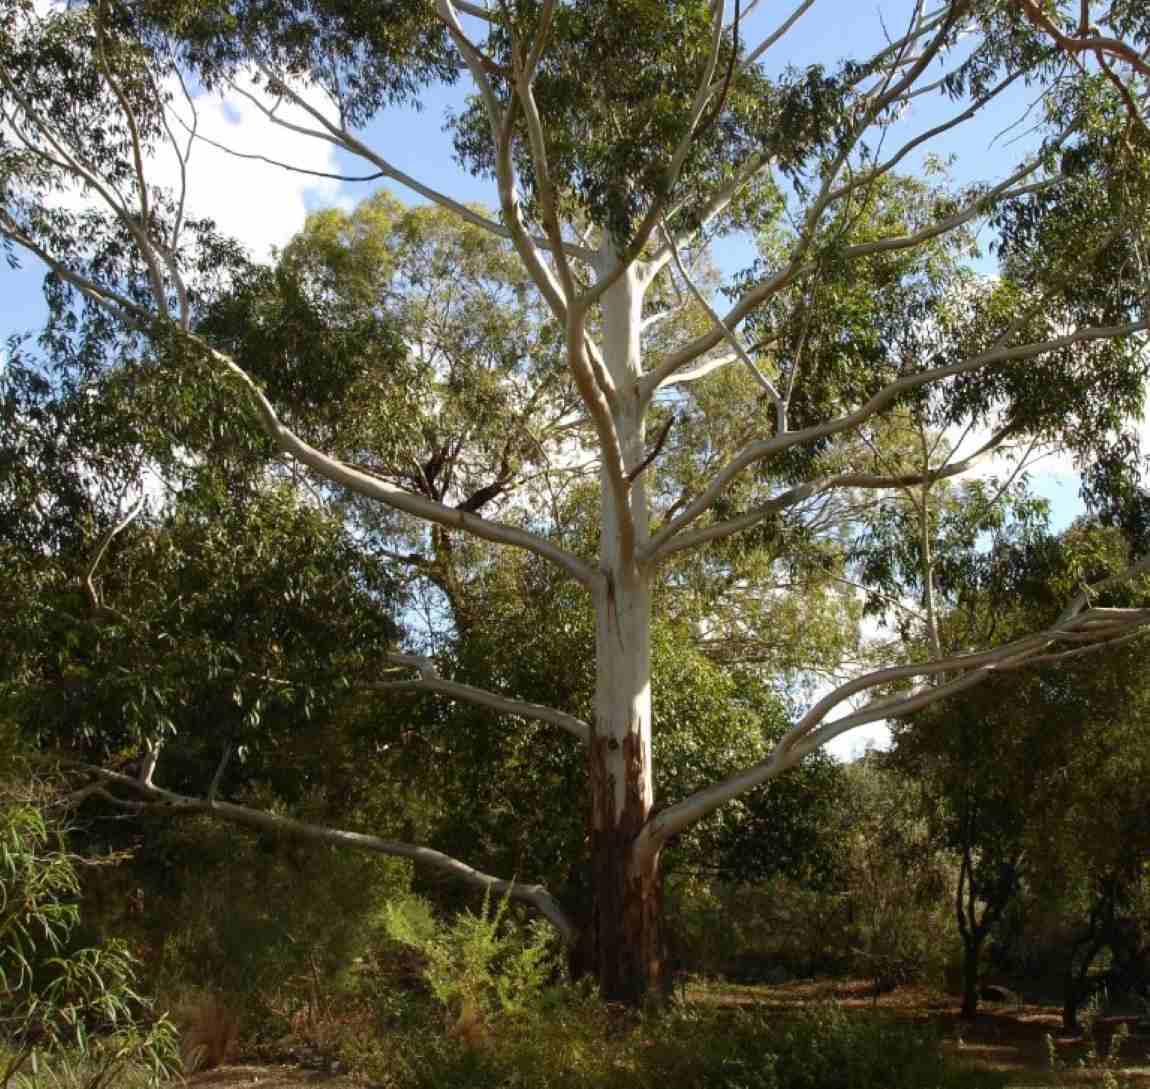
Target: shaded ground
column 1006, row 1037
column 267, row 1077
column 1009, row 1037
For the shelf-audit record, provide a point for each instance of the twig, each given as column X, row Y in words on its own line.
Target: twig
column 655, row 450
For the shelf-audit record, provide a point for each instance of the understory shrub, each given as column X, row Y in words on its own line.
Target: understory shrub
column 513, row 1022
column 479, row 966
column 70, row 1016
column 267, row 927
column 583, row 1044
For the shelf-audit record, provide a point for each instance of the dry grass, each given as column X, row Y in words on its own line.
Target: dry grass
column 209, row 1030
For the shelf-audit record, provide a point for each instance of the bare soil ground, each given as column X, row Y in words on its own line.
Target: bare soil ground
column 249, row 1076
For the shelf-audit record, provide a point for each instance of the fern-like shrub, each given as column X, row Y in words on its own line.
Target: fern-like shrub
column 478, row 966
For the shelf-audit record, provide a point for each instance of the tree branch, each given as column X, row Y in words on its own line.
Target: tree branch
column 373, row 487
column 339, row 135
column 1090, row 40
column 429, row 680
column 98, row 552
column 168, row 802
column 660, row 440
column 662, row 547
column 811, row 731
column 728, row 334
column 756, row 451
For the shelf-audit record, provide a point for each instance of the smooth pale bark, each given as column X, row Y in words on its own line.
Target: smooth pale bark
column 623, row 938
column 170, row 803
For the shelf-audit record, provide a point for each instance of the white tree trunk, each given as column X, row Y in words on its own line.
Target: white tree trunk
column 624, row 937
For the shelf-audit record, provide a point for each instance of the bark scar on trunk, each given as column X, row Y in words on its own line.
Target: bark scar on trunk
column 613, row 607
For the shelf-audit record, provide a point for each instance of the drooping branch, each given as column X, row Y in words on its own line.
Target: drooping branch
column 119, row 306
column 60, row 157
column 338, row 134
column 372, row 487
column 158, row 800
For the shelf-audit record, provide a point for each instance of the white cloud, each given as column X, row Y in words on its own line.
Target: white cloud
column 855, row 743
column 259, row 204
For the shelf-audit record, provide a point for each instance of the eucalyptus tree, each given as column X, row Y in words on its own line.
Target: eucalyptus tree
column 621, row 135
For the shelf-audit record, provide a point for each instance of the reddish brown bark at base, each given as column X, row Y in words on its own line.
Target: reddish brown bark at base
column 624, row 935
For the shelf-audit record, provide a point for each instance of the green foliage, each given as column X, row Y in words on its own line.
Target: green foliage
column 419, row 352
column 622, row 117
column 585, row 1045
column 893, row 881
column 271, row 926
column 1103, row 1064
column 64, row 1008
column 1033, row 781
column 480, row 965
column 199, row 602
column 370, row 57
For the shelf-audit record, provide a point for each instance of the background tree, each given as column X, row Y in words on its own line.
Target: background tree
column 1003, row 765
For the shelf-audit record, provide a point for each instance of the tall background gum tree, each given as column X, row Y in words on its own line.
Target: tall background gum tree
column 623, row 137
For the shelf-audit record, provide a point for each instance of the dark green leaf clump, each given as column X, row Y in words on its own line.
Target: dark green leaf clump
column 613, row 123
column 364, row 55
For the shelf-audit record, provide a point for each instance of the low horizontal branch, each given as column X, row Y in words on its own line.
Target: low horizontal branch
column 1077, row 625
column 159, row 800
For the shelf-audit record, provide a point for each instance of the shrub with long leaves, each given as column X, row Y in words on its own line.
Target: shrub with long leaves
column 68, row 1016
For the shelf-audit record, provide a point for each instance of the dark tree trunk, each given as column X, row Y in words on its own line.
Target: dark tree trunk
column 625, row 941
column 971, row 954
